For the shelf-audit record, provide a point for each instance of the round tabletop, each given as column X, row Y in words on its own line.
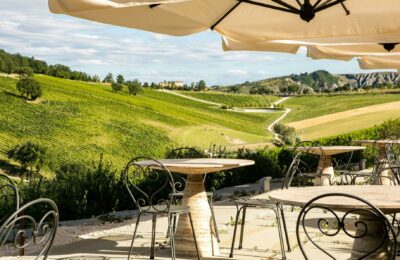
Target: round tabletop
column 329, row 150
column 386, row 198
column 199, row 166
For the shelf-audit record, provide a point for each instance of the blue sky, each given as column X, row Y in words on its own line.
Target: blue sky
column 27, row 27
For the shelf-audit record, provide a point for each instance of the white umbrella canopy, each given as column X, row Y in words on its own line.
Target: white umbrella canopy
column 379, row 62
column 243, row 20
column 324, row 48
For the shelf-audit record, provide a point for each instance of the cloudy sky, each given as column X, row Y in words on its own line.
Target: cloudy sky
column 27, row 27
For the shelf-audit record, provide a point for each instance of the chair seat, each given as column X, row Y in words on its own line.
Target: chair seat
column 255, row 202
column 163, row 209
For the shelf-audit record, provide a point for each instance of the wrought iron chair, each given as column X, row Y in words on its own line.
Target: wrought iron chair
column 9, row 197
column 298, row 169
column 150, row 187
column 302, row 170
column 35, row 223
column 390, row 174
column 183, row 153
column 346, row 222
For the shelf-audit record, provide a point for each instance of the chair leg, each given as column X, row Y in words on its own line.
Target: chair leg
column 172, row 238
column 134, row 235
column 168, row 229
column 238, row 210
column 280, row 207
column 278, row 222
column 213, row 219
column 242, row 228
column 194, row 236
column 174, row 223
column 153, row 236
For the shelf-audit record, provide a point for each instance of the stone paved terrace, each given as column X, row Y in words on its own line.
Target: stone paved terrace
column 93, row 240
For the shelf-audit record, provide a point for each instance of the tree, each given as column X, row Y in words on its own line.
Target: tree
column 120, row 79
column 31, row 156
column 109, row 78
column 201, row 85
column 96, row 78
column 29, row 88
column 26, row 71
column 145, row 85
column 134, row 87
column 116, row 86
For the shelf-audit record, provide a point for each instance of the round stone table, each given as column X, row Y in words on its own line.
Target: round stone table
column 381, row 146
column 325, row 166
column 386, row 198
column 195, row 198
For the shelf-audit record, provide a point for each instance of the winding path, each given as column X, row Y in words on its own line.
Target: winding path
column 287, row 111
column 270, row 128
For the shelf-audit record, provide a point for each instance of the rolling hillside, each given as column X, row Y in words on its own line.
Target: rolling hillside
column 322, row 116
column 78, row 121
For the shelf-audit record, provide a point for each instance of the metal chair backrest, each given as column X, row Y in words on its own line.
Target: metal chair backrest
column 331, row 224
column 299, row 164
column 392, row 153
column 149, row 185
column 34, row 224
column 387, row 175
column 9, row 197
column 184, row 152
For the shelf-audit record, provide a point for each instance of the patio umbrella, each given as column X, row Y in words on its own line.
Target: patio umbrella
column 324, row 48
column 243, row 20
column 379, row 62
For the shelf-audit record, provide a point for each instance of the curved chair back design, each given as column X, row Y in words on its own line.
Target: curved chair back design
column 149, row 185
column 184, row 152
column 390, row 174
column 299, row 166
column 331, row 224
column 392, row 153
column 34, row 224
column 9, row 197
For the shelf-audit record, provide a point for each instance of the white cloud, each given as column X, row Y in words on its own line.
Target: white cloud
column 238, row 72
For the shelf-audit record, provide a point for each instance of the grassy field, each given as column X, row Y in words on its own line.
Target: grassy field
column 323, row 116
column 314, row 106
column 78, row 121
column 234, row 100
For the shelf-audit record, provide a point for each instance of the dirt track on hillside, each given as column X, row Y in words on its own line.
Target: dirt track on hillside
column 346, row 114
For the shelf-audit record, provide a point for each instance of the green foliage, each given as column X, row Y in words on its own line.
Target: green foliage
column 120, row 79
column 31, row 156
column 29, row 88
column 201, row 85
column 109, row 78
column 116, row 86
column 287, row 134
column 25, row 71
column 134, row 87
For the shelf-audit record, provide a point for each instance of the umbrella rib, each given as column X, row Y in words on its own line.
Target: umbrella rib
column 326, row 6
column 270, row 6
column 280, row 2
column 225, row 15
column 317, row 3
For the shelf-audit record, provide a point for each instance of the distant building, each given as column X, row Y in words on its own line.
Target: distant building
column 171, row 84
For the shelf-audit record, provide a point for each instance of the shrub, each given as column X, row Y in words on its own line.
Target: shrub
column 287, row 134
column 116, row 86
column 134, row 87
column 29, row 88
column 31, row 156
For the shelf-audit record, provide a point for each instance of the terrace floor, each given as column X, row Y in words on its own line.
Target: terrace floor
column 111, row 241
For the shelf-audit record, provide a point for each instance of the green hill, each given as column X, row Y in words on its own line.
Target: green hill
column 78, row 121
